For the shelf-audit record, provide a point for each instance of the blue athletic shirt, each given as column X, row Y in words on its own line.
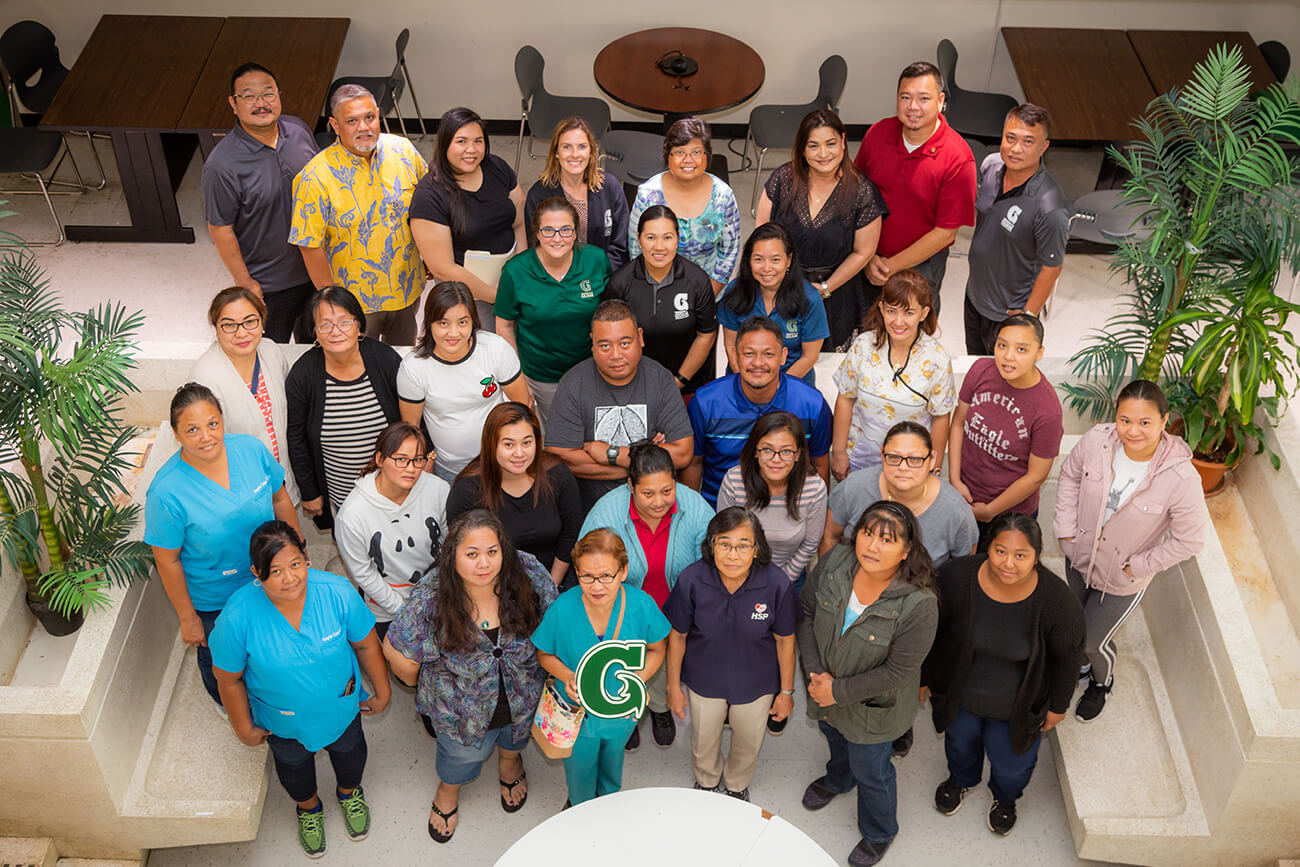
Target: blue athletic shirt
column 812, row 325
column 209, row 524
column 297, row 678
column 721, row 418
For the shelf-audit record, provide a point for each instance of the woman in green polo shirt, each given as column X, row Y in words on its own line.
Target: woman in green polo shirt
column 546, row 297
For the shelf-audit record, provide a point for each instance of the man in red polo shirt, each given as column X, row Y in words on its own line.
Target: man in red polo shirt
column 926, row 173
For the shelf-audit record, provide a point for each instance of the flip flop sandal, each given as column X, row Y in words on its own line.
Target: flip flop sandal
column 437, row 835
column 506, row 805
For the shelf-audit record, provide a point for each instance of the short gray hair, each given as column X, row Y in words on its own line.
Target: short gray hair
column 347, row 93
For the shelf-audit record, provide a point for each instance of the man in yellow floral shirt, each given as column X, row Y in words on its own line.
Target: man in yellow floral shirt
column 349, row 216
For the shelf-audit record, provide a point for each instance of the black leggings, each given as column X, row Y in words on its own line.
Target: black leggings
column 295, row 765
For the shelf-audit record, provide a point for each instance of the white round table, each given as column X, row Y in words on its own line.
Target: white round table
column 666, row 826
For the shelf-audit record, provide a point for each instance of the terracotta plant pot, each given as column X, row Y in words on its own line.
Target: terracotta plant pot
column 52, row 621
column 1212, row 475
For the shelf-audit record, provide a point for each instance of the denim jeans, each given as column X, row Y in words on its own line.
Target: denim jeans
column 970, row 738
column 869, row 767
column 459, row 764
column 204, row 654
column 296, row 766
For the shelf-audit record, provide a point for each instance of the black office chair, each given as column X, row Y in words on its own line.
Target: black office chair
column 972, row 113
column 1277, row 58
column 776, row 125
column 28, row 152
column 542, row 111
column 387, row 90
column 28, row 50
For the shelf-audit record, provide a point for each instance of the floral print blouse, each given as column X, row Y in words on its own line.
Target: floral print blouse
column 459, row 690
column 922, row 391
column 711, row 240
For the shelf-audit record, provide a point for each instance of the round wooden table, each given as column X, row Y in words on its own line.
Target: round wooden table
column 730, row 71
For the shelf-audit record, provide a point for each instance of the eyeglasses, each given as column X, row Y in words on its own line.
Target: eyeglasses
column 400, row 461
column 741, row 548
column 267, row 97
column 343, row 326
column 603, row 579
column 913, row 461
column 784, row 455
column 552, row 231
column 683, row 153
column 250, row 325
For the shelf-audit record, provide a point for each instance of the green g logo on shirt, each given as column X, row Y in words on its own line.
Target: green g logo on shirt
column 628, row 656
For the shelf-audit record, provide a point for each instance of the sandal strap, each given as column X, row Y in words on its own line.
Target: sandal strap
column 445, row 816
column 523, row 776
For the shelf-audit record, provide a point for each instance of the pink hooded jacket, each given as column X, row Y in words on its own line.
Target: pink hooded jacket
column 1163, row 523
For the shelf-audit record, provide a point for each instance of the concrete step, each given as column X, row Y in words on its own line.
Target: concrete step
column 27, row 852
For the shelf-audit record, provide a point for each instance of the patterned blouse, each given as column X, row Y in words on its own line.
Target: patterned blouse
column 459, row 691
column 922, row 391
column 711, row 240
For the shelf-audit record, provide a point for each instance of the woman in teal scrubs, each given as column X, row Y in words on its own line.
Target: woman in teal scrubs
column 201, row 508
column 288, row 652
column 580, row 618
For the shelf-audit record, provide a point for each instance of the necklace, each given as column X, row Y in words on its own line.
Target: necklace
column 925, row 488
column 484, row 624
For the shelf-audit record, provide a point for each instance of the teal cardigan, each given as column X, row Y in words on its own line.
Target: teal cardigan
column 685, row 535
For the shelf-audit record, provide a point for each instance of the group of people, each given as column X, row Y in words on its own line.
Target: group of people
column 555, row 463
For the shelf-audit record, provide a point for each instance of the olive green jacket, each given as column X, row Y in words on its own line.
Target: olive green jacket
column 876, row 663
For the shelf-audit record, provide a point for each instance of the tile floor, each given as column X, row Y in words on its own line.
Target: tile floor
column 173, row 284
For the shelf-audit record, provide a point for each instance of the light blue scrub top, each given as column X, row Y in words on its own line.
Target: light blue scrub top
column 297, row 678
column 565, row 632
column 794, row 332
column 209, row 524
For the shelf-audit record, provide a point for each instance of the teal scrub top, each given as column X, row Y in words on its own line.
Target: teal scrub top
column 211, row 525
column 565, row 632
column 303, row 684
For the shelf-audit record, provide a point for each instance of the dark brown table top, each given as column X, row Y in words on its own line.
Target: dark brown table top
column 730, row 71
column 1090, row 80
column 1170, row 55
column 302, row 52
column 136, row 72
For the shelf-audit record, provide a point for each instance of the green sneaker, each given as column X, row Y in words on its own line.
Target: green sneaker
column 311, row 832
column 356, row 815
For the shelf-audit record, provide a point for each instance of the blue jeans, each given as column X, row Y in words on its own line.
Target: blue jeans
column 295, row 765
column 969, row 738
column 868, row 766
column 459, row 764
column 204, row 655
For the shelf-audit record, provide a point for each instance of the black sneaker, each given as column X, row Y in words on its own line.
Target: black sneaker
column 817, row 795
column 742, row 795
column 634, row 742
column 949, row 796
column 1002, row 817
column 703, row 788
column 775, row 726
column 903, row 744
column 1092, row 702
column 867, row 853
column 663, row 728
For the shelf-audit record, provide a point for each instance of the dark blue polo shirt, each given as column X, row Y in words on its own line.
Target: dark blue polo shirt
column 249, row 186
column 731, row 638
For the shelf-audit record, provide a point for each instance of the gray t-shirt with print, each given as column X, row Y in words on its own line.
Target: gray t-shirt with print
column 947, row 527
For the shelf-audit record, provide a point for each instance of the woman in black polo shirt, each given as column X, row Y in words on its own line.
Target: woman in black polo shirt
column 733, row 617
column 673, row 301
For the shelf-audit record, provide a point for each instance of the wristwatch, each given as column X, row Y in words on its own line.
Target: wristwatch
column 825, row 292
column 611, row 455
column 789, row 692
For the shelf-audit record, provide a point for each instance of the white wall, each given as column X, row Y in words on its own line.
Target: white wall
column 464, row 53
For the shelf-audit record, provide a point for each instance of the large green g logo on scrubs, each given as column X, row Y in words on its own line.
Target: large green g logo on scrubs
column 628, row 656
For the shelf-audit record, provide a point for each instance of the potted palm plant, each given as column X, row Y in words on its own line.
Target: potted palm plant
column 1210, row 172
column 65, row 518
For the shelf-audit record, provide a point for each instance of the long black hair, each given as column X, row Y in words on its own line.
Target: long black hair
column 1018, row 522
column 894, row 519
column 791, row 300
column 518, row 608
column 269, row 539
column 757, row 493
column 444, row 176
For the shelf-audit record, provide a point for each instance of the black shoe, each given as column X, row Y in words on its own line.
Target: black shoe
column 428, row 726
column 1092, row 702
column 817, row 795
column 867, row 853
column 567, row 804
column 705, row 788
column 1002, row 817
column 742, row 795
column 775, row 726
column 663, row 728
column 634, row 742
column 949, row 796
column 903, row 744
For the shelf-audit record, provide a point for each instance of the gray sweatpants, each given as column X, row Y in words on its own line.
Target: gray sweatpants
column 1103, row 616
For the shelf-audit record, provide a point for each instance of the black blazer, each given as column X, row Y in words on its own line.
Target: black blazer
column 1055, row 650
column 304, row 391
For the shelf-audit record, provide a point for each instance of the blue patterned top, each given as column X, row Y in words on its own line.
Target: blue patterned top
column 711, row 240
column 459, row 691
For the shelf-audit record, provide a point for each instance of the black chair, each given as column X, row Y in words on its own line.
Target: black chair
column 542, row 111
column 972, row 113
column 1277, row 58
column 27, row 51
column 386, row 89
column 776, row 125
column 28, row 152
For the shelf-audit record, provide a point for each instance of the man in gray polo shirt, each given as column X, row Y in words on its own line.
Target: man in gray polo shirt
column 1021, row 226
column 248, row 198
